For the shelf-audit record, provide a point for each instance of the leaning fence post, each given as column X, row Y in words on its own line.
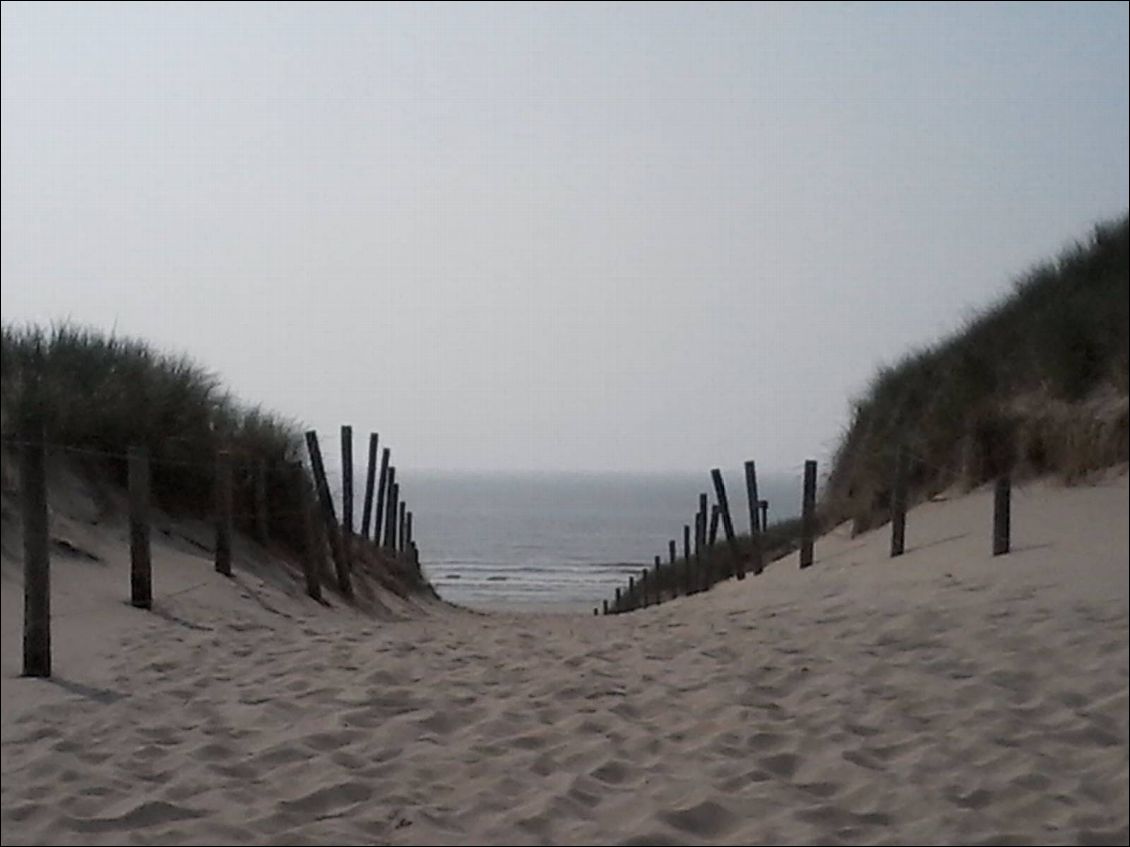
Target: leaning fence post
column 898, row 504
column 755, row 526
column 370, row 479
column 140, row 562
column 737, row 563
column 699, row 544
column 390, row 508
column 382, row 491
column 37, row 561
column 223, row 512
column 408, row 530
column 329, row 519
column 808, row 513
column 1002, row 517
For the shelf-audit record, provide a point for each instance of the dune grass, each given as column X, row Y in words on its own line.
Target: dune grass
column 1035, row 383
column 103, row 394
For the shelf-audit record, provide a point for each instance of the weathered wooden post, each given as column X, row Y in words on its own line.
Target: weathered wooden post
column 403, row 526
column 408, row 529
column 658, row 587
column 672, row 579
column 390, row 509
column 688, row 584
column 312, row 560
column 329, row 518
column 37, row 561
column 604, row 606
column 370, row 481
column 347, row 492
column 808, row 513
column 140, row 561
column 223, row 512
column 643, row 587
column 712, row 537
column 617, row 606
column 737, row 563
column 764, row 515
column 755, row 526
column 699, row 544
column 1002, row 517
column 393, row 506
column 898, row 504
column 632, row 599
column 382, row 491
column 262, row 518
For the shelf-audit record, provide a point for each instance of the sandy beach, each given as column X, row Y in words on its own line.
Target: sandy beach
column 945, row 697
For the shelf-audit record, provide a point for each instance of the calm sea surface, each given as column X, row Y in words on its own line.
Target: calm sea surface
column 551, row 539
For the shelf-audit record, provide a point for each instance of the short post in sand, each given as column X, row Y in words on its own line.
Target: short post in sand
column 1002, row 517
column 604, row 607
column 898, row 504
column 764, row 515
column 737, row 563
column 409, row 541
column 688, row 574
column 140, row 561
column 671, row 580
column 616, row 606
column 347, row 493
column 754, row 517
column 808, row 513
column 37, row 562
column 223, row 512
column 699, row 563
column 632, row 604
column 382, row 491
column 312, row 560
column 658, row 587
column 329, row 518
column 262, row 522
column 403, row 527
column 370, row 480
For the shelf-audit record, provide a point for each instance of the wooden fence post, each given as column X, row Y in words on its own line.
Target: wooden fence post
column 764, row 515
column 632, row 604
column 37, row 561
column 329, row 518
column 808, row 513
column 347, row 493
column 1002, row 517
column 382, row 491
column 643, row 587
column 754, row 517
column 403, row 526
column 688, row 585
column 658, row 587
column 699, row 544
column 737, row 563
column 898, row 504
column 370, row 480
column 408, row 530
column 393, row 506
column 262, row 518
column 390, row 508
column 712, row 537
column 616, row 605
column 140, row 561
column 312, row 560
column 223, row 512
column 604, row 607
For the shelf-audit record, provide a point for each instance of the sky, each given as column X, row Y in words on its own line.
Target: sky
column 556, row 237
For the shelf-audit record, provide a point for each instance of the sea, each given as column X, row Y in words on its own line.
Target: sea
column 527, row 541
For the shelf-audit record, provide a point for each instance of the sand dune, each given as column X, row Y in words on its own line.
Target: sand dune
column 946, row 697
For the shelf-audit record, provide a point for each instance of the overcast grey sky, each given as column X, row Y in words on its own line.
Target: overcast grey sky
column 633, row 237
